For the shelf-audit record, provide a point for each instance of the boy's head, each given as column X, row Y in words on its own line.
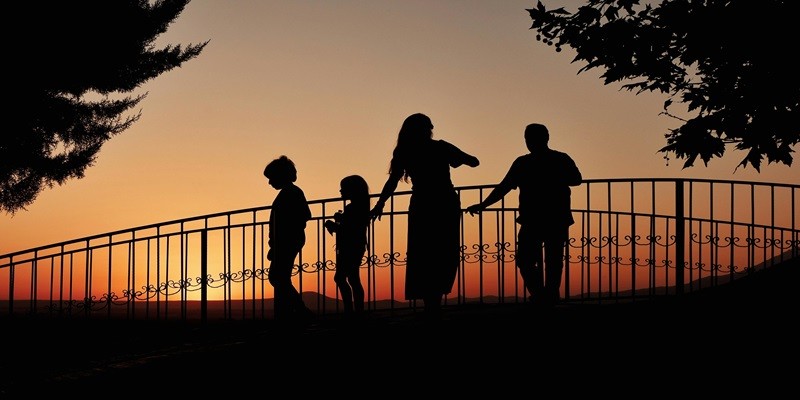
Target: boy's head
column 280, row 171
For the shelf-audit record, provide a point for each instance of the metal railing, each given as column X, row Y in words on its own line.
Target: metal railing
column 632, row 239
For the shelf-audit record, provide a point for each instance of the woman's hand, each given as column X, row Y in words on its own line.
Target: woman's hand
column 330, row 226
column 376, row 212
column 475, row 209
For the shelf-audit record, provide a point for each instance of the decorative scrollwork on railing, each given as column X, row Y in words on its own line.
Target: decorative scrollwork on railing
column 783, row 245
column 616, row 260
column 319, row 265
column 478, row 254
column 147, row 292
column 648, row 240
column 193, row 284
column 305, row 267
column 328, row 265
column 614, row 239
column 731, row 242
column 111, row 299
column 571, row 242
column 224, row 279
column 698, row 266
column 586, row 242
column 656, row 264
column 735, row 269
column 715, row 268
column 754, row 242
column 388, row 260
column 261, row 273
column 605, row 241
column 620, row 261
column 239, row 276
column 656, row 240
column 86, row 305
column 482, row 253
column 709, row 239
column 89, row 304
column 638, row 262
column 173, row 287
column 588, row 260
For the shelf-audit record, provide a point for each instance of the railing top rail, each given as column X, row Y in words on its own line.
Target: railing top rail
column 695, row 180
column 257, row 209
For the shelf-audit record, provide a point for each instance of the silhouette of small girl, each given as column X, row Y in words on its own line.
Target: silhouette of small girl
column 350, row 228
column 287, row 224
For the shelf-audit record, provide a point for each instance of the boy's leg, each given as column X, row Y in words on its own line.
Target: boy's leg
column 280, row 277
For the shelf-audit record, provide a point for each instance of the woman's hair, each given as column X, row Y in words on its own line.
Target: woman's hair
column 416, row 129
column 281, row 167
column 358, row 186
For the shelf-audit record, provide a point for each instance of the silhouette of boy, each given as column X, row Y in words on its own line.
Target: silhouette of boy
column 287, row 224
column 544, row 177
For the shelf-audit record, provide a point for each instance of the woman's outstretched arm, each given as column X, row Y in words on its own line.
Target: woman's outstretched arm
column 388, row 188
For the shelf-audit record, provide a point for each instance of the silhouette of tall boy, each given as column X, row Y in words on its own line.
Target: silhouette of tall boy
column 287, row 236
column 544, row 177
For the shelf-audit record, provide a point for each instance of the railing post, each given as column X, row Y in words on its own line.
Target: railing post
column 680, row 236
column 11, row 269
column 203, row 274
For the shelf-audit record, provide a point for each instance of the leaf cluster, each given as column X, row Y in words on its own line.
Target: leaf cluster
column 726, row 61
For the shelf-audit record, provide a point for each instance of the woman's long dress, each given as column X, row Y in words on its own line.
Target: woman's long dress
column 434, row 217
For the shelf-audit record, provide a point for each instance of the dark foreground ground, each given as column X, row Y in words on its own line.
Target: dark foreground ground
column 738, row 339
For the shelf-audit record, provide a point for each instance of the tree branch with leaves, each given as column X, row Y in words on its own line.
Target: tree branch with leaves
column 725, row 61
column 74, row 65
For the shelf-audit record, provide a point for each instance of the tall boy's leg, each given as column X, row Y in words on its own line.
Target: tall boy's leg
column 554, row 254
column 539, row 294
column 529, row 262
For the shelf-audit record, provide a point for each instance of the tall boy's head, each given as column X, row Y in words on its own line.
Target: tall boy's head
column 280, row 172
column 536, row 137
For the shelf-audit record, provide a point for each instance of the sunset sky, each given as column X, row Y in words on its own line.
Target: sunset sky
column 328, row 83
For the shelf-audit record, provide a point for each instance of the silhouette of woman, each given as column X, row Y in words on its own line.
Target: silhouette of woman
column 350, row 227
column 434, row 210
